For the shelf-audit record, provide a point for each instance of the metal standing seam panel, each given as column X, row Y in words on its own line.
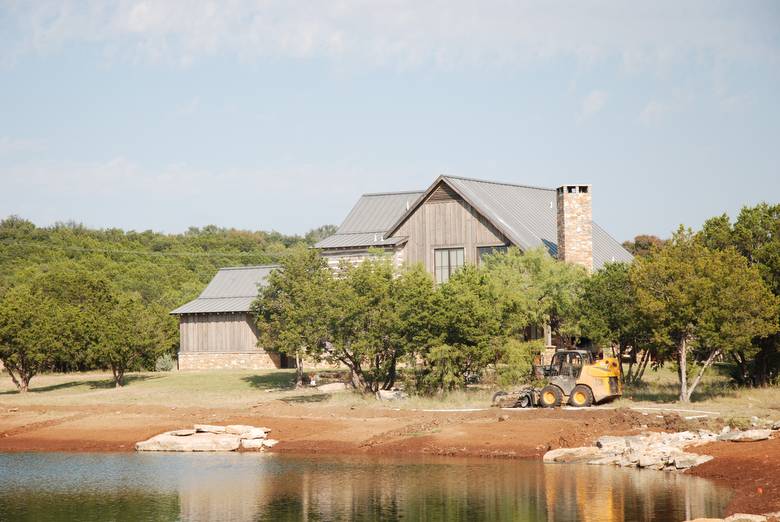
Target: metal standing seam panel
column 527, row 215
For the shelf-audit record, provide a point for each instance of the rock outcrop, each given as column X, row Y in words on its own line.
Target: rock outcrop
column 205, row 437
column 660, row 451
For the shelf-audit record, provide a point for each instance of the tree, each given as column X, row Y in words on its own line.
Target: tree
column 533, row 289
column 293, row 309
column 469, row 322
column 131, row 336
column 755, row 235
column 610, row 317
column 28, row 340
column 643, row 245
column 701, row 303
column 375, row 314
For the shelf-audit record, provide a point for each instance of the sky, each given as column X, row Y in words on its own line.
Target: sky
column 277, row 115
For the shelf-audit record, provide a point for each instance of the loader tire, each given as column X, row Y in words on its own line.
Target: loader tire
column 581, row 396
column 551, row 396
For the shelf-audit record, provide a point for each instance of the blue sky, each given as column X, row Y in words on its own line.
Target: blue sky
column 278, row 115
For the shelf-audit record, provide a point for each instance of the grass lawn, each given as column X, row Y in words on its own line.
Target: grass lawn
column 717, row 393
column 182, row 389
column 214, row 389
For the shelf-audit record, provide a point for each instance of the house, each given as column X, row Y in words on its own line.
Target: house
column 460, row 220
column 454, row 222
column 217, row 331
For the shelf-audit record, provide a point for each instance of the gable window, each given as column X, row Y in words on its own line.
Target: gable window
column 446, row 262
column 489, row 251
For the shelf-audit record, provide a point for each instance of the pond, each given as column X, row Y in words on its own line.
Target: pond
column 253, row 486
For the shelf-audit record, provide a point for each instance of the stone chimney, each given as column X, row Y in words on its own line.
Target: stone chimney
column 575, row 225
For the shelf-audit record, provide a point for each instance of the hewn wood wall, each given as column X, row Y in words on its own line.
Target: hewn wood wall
column 217, row 333
column 443, row 221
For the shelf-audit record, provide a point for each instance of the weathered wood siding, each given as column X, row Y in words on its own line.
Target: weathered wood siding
column 355, row 257
column 217, row 333
column 445, row 220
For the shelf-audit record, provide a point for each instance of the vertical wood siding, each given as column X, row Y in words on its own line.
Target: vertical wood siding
column 217, row 333
column 446, row 223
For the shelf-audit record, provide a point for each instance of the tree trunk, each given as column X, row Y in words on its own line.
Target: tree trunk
column 710, row 359
column 682, row 368
column 642, row 366
column 298, row 370
column 118, row 375
column 21, row 381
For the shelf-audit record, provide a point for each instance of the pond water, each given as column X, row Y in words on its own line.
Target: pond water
column 252, row 486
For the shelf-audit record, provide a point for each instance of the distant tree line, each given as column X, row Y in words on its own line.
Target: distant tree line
column 74, row 298
column 688, row 301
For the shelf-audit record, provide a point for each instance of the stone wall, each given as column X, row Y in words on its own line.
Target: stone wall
column 229, row 361
column 575, row 225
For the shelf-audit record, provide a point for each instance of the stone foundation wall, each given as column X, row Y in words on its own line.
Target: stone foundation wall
column 229, row 361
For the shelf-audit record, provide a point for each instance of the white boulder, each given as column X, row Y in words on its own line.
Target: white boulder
column 746, row 436
column 196, row 442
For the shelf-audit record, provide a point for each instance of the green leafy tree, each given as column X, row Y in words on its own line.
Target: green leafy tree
column 701, row 303
column 610, row 317
column 28, row 333
column 756, row 235
column 131, row 336
column 293, row 309
column 470, row 327
column 533, row 289
column 643, row 245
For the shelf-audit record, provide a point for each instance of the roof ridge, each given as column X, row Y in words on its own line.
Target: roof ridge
column 398, row 193
column 498, row 182
column 247, row 267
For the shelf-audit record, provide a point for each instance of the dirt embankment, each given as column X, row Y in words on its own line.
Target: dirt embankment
column 751, row 469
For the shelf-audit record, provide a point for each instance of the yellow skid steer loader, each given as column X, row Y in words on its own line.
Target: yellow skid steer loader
column 573, row 377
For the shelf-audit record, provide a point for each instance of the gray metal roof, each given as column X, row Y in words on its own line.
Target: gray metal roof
column 231, row 290
column 525, row 214
column 369, row 219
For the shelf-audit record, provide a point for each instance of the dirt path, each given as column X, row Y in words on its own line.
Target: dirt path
column 752, row 469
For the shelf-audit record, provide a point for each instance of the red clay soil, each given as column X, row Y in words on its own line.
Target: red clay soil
column 751, row 469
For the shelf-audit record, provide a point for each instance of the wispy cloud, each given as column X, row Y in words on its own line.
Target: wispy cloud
column 654, row 112
column 593, row 103
column 402, row 32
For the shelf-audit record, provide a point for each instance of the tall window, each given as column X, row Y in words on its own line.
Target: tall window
column 489, row 251
column 446, row 262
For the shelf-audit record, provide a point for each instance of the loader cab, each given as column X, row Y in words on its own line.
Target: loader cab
column 568, row 363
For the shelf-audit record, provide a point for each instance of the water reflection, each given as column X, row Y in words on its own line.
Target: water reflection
column 268, row 487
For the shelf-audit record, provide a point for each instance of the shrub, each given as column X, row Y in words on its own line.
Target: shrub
column 164, row 363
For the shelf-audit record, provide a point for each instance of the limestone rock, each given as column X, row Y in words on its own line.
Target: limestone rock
column 208, row 428
column 390, row 395
column 746, row 436
column 605, row 461
column 254, row 444
column 254, row 433
column 745, row 517
column 237, row 429
column 569, row 455
column 196, row 442
column 686, row 460
column 776, row 425
column 270, row 443
column 183, row 433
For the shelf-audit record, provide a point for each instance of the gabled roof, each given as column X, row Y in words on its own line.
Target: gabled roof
column 231, row 290
column 367, row 223
column 526, row 215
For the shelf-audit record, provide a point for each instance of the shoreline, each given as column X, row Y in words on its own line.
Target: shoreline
column 750, row 469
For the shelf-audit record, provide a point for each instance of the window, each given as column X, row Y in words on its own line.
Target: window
column 446, row 262
column 489, row 251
